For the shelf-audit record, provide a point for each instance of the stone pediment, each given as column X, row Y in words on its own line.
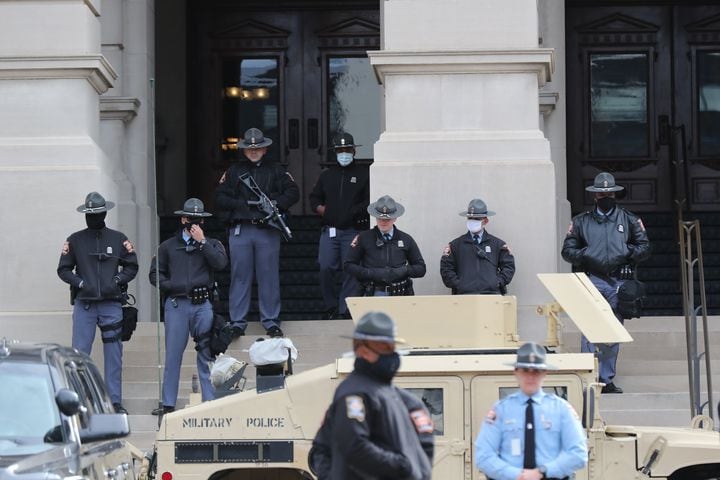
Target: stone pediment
column 618, row 23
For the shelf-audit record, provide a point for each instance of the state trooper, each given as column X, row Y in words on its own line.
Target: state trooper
column 254, row 245
column 98, row 263
column 372, row 429
column 184, row 269
column 385, row 259
column 477, row 262
column 530, row 434
column 340, row 196
column 606, row 243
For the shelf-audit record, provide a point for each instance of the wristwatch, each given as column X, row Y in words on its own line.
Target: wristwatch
column 543, row 470
column 203, row 241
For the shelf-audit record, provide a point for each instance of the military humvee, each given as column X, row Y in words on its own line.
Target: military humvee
column 457, row 364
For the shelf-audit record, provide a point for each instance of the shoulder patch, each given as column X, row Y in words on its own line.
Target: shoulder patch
column 570, row 229
column 507, row 247
column 491, row 416
column 423, row 422
column 354, row 242
column 65, row 248
column 355, row 407
column 447, row 251
column 640, row 224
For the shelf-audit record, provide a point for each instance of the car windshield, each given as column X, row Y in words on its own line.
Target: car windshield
column 27, row 409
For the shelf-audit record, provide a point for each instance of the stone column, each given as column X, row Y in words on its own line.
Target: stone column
column 52, row 74
column 461, row 85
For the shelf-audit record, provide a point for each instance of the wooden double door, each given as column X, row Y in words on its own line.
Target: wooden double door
column 643, row 93
column 296, row 70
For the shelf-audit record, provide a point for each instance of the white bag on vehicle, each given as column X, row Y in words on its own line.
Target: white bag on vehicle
column 223, row 368
column 271, row 351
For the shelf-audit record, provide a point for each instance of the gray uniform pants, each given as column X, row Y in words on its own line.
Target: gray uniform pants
column 182, row 319
column 87, row 316
column 606, row 353
column 332, row 254
column 254, row 251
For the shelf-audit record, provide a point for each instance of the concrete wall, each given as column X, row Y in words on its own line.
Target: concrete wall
column 462, row 121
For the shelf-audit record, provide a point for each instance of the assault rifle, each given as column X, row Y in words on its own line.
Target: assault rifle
column 273, row 217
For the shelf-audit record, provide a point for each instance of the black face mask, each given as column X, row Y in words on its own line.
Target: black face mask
column 605, row 204
column 95, row 221
column 384, row 369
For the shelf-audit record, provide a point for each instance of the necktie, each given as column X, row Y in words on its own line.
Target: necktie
column 476, row 238
column 529, row 454
column 387, row 237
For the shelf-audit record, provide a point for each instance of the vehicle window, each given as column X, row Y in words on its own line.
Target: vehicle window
column 559, row 391
column 27, row 406
column 432, row 398
column 83, row 383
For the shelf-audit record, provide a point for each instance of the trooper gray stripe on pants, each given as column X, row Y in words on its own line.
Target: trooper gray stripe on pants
column 87, row 316
column 606, row 353
column 254, row 251
column 183, row 319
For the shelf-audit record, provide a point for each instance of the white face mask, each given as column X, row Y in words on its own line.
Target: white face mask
column 474, row 226
column 344, row 158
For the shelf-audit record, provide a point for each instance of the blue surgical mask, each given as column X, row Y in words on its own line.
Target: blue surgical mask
column 344, row 158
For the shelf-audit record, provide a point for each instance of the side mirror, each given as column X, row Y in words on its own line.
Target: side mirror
column 105, row 426
column 67, row 401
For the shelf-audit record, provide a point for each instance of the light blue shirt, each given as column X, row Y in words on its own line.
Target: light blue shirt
column 560, row 441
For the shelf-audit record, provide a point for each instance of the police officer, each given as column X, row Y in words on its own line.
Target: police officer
column 98, row 263
column 340, row 196
column 254, row 245
column 185, row 266
column 606, row 243
column 384, row 259
column 477, row 262
column 530, row 434
column 369, row 430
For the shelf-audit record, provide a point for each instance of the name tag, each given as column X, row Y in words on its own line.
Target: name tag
column 515, row 447
column 400, row 244
column 332, row 232
column 487, row 249
column 353, row 179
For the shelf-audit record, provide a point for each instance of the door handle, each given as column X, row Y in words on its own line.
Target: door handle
column 312, row 133
column 293, row 133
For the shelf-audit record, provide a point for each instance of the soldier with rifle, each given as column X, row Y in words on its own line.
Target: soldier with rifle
column 252, row 196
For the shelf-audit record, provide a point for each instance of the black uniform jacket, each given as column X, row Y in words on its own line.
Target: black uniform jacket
column 99, row 259
column 372, row 259
column 469, row 268
column 181, row 271
column 232, row 194
column 345, row 192
column 600, row 245
column 373, row 430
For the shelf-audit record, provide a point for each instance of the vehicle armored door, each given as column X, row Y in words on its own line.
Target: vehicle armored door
column 443, row 397
column 486, row 390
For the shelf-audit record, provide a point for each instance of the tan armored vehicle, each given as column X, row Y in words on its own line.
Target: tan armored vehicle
column 459, row 348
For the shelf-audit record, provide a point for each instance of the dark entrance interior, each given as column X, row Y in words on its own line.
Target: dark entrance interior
column 643, row 88
column 299, row 71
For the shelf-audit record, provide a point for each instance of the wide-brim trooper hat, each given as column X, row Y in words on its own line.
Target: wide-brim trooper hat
column 344, row 140
column 604, row 182
column 532, row 355
column 376, row 326
column 254, row 138
column 385, row 208
column 95, row 203
column 477, row 209
column 193, row 207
